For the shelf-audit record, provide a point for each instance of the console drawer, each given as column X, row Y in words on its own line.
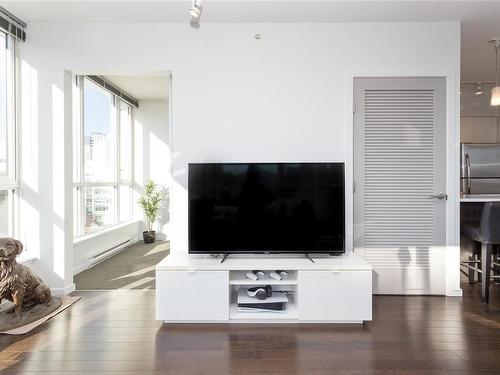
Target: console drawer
column 335, row 295
column 192, row 295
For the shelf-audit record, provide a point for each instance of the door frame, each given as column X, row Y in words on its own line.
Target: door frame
column 452, row 128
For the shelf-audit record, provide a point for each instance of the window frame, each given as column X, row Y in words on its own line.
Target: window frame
column 80, row 186
column 10, row 183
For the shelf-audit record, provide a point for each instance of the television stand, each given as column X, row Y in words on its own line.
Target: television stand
column 333, row 289
column 309, row 257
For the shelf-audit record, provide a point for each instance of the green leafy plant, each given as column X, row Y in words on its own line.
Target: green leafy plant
column 151, row 202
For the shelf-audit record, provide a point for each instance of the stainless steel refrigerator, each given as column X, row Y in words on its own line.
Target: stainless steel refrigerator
column 480, row 172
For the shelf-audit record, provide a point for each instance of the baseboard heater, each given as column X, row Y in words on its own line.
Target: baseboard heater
column 96, row 259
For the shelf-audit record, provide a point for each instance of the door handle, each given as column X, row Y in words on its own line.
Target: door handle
column 439, row 195
column 467, row 164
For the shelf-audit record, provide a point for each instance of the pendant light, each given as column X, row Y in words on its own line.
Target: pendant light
column 479, row 89
column 495, row 92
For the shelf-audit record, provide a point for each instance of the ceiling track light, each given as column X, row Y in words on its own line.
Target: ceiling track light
column 195, row 9
column 495, row 92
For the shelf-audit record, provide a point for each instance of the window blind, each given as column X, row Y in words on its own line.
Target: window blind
column 12, row 25
column 115, row 90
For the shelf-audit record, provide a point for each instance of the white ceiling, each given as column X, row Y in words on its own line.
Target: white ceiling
column 480, row 19
column 142, row 87
column 252, row 11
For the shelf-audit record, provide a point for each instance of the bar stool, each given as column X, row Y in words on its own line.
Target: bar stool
column 485, row 233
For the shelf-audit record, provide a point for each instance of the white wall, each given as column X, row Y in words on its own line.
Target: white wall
column 284, row 97
column 152, row 152
column 45, row 159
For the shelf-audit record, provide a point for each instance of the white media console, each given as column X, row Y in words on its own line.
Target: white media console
column 201, row 289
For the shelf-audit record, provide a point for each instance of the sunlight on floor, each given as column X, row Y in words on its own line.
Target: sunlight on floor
column 140, row 283
column 155, row 250
column 136, row 273
column 133, row 268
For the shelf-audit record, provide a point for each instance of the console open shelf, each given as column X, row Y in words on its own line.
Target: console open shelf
column 240, row 278
column 290, row 313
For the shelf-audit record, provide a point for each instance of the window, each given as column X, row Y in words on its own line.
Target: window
column 103, row 159
column 8, row 139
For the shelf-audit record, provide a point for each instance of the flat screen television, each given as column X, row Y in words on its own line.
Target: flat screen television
column 266, row 208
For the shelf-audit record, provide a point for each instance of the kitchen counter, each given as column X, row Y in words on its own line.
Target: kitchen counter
column 480, row 198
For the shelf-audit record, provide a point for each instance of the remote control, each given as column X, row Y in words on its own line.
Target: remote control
column 254, row 275
column 275, row 276
column 278, row 274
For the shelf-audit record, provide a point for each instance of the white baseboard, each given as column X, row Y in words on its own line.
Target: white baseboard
column 70, row 288
column 63, row 291
column 105, row 255
column 454, row 293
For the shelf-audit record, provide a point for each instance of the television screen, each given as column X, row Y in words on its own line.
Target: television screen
column 266, row 208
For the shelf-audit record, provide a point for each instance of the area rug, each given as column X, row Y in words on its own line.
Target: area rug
column 30, row 324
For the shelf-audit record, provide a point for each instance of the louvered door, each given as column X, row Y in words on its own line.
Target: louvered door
column 399, row 174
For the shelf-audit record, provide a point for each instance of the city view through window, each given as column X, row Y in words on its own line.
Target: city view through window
column 106, row 159
column 98, row 153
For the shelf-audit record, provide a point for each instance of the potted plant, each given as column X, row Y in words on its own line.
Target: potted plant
column 150, row 202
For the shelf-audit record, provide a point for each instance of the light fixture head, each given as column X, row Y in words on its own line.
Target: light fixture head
column 479, row 89
column 195, row 9
column 495, row 42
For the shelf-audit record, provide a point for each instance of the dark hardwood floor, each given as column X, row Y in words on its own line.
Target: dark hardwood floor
column 115, row 333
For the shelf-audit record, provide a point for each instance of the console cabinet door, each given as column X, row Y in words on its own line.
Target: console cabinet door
column 192, row 296
column 335, row 295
